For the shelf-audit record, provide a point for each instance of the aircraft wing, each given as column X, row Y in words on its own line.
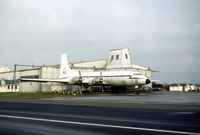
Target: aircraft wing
column 43, row 80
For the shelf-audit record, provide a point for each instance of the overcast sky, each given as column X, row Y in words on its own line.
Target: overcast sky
column 161, row 34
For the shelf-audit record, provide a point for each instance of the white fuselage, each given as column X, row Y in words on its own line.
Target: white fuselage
column 115, row 78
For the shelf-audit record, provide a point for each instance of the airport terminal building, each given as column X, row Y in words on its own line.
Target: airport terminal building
column 119, row 59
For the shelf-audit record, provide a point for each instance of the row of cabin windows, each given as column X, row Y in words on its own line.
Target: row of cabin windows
column 31, row 76
column 12, row 86
column 117, row 57
column 11, row 81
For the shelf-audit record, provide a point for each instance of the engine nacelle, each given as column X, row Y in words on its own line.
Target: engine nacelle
column 97, row 81
column 76, row 80
column 92, row 81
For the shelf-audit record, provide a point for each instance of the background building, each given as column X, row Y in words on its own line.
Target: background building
column 119, row 59
column 182, row 87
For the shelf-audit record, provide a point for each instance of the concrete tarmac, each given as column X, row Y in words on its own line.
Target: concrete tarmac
column 153, row 100
column 152, row 113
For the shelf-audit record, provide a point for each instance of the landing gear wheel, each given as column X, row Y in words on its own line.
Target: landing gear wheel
column 86, row 92
column 137, row 92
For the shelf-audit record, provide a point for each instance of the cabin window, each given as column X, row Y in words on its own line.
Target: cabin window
column 117, row 57
column 8, row 86
column 126, row 56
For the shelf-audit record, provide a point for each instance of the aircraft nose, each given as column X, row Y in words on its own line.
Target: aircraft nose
column 148, row 81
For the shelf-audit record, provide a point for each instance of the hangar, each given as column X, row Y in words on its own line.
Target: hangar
column 119, row 59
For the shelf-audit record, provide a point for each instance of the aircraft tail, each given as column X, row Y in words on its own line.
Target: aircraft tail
column 65, row 70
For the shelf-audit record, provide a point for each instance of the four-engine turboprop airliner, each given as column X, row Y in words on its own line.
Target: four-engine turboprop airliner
column 101, row 78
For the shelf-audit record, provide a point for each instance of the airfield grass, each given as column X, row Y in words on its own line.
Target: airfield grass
column 27, row 95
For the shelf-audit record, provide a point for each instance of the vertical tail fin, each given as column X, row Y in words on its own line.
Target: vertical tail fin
column 65, row 70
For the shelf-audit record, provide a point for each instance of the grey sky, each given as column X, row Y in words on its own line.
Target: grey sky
column 161, row 34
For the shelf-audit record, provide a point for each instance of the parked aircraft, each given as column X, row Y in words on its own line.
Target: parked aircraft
column 95, row 78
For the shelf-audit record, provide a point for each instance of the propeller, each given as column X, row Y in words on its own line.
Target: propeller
column 80, row 80
column 101, row 81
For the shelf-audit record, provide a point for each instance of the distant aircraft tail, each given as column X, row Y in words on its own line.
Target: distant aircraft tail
column 65, row 70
